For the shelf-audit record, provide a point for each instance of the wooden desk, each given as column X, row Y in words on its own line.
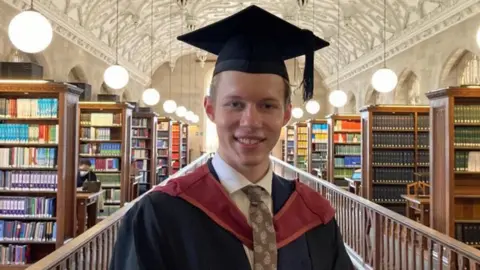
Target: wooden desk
column 354, row 185
column 420, row 203
column 87, row 207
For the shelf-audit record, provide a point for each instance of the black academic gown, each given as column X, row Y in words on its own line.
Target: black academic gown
column 191, row 225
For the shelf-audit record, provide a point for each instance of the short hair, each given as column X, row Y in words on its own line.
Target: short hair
column 216, row 79
column 85, row 162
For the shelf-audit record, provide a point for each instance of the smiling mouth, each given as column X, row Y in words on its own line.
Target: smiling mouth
column 249, row 141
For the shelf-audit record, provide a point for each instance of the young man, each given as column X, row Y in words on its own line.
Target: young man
column 234, row 212
column 85, row 173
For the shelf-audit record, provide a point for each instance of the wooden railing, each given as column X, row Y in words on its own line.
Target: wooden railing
column 376, row 237
column 92, row 249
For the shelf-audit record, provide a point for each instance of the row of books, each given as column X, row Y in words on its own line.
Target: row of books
column 19, row 206
column 389, row 194
column 139, row 143
column 393, row 139
column 140, row 153
column 319, row 147
column 319, row 138
column 28, row 107
column 468, row 233
column 101, row 119
column 302, row 151
column 405, row 158
column 319, row 128
column 136, row 132
column 94, row 133
column 33, row 157
column 423, row 140
column 302, row 144
column 14, row 254
column 393, row 122
column 105, row 164
column 347, row 125
column 109, row 179
column 343, row 172
column 105, row 149
column 112, row 195
column 467, row 161
column 319, row 156
column 28, row 133
column 28, row 180
column 423, row 158
column 467, row 136
column 163, row 126
column 353, row 162
column 423, row 122
column 466, row 114
column 346, row 137
column 423, row 174
column 28, row 231
column 393, row 175
column 162, row 143
column 141, row 165
column 348, row 149
column 140, row 122
column 162, row 153
column 302, row 137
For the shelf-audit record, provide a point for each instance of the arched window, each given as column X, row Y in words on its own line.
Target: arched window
column 471, row 72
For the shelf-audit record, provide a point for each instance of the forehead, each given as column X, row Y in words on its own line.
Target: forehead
column 249, row 85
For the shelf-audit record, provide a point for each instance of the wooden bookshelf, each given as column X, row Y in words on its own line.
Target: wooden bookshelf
column 175, row 158
column 455, row 162
column 289, row 145
column 343, row 147
column 394, row 151
column 301, row 146
column 164, row 143
column 38, row 165
column 105, row 131
column 144, row 152
column 184, row 153
column 317, row 145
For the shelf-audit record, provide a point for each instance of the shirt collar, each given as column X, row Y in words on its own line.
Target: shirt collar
column 234, row 181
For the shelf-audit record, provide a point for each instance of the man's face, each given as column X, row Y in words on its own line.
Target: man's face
column 84, row 167
column 249, row 111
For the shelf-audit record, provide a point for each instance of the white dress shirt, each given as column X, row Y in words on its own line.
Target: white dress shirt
column 233, row 182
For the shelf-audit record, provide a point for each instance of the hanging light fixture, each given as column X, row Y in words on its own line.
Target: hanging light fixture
column 29, row 31
column 116, row 76
column 384, row 80
column 169, row 106
column 181, row 111
column 312, row 106
column 189, row 115
column 338, row 98
column 151, row 96
column 297, row 113
column 195, row 119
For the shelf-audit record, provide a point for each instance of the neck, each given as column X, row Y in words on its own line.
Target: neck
column 253, row 173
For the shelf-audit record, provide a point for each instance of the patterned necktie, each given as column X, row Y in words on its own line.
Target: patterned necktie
column 264, row 239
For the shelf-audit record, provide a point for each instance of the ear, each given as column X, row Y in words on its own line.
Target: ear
column 287, row 115
column 209, row 106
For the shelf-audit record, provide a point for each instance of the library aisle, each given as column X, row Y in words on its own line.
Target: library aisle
column 101, row 102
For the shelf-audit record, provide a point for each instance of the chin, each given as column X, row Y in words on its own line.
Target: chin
column 252, row 159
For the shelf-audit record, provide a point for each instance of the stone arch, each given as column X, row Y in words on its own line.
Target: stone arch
column 77, row 74
column 351, row 103
column 408, row 88
column 371, row 97
column 454, row 66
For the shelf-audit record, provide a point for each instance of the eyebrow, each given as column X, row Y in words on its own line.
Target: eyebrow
column 239, row 97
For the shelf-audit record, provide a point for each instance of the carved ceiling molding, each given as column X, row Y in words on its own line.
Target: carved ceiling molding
column 75, row 33
column 435, row 24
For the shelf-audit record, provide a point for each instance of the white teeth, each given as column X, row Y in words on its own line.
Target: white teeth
column 248, row 141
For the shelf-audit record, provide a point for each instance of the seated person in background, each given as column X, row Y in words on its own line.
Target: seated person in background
column 85, row 173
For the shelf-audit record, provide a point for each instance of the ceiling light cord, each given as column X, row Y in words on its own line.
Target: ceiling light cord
column 338, row 45
column 116, row 41
column 151, row 45
column 384, row 33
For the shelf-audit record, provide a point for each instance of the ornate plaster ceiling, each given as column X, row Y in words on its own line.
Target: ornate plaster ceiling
column 360, row 31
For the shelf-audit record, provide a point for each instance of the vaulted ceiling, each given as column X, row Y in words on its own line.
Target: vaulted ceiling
column 361, row 23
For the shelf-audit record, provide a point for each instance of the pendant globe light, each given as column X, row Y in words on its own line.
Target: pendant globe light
column 151, row 96
column 338, row 98
column 169, row 106
column 312, row 106
column 384, row 80
column 297, row 113
column 116, row 76
column 30, row 32
column 195, row 119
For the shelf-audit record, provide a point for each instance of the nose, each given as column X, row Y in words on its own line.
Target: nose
column 251, row 117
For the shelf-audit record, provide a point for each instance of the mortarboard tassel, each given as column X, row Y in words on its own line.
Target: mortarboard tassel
column 308, row 70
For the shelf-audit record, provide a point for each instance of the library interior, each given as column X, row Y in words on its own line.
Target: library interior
column 101, row 103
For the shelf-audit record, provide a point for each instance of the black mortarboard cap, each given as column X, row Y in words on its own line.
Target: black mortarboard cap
column 256, row 41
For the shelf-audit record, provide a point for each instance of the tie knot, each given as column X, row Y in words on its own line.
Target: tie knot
column 254, row 193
